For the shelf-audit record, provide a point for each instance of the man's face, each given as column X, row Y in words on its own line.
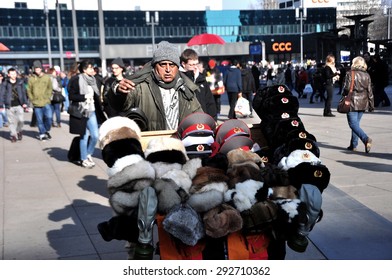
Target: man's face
column 191, row 65
column 12, row 75
column 116, row 69
column 166, row 70
column 38, row 71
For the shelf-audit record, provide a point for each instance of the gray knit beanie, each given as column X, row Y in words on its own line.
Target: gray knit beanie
column 166, row 51
column 37, row 64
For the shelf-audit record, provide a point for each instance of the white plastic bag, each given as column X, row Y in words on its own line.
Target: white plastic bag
column 308, row 89
column 242, row 108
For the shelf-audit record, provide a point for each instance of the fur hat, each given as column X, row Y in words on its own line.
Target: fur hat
column 117, row 128
column 184, row 223
column 302, row 144
column 284, row 192
column 219, row 161
column 166, row 51
column 222, row 220
column 299, row 133
column 291, row 212
column 169, row 194
column 37, row 64
column 119, row 149
column 278, row 104
column 119, row 62
column 130, row 175
column 244, row 194
column 284, row 126
column 242, row 172
column 274, row 176
column 296, row 157
column 208, row 187
column 308, row 173
column 119, row 137
column 166, row 149
column 237, row 156
column 260, row 215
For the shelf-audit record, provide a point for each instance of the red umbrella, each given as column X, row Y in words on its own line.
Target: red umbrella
column 206, row 39
column 3, row 48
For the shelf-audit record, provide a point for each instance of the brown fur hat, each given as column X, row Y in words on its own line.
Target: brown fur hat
column 207, row 175
column 243, row 171
column 118, row 128
column 282, row 192
column 222, row 220
column 239, row 156
column 166, row 149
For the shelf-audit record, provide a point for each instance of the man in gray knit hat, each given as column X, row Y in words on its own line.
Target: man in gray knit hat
column 160, row 90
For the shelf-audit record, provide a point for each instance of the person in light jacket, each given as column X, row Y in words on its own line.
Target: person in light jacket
column 362, row 99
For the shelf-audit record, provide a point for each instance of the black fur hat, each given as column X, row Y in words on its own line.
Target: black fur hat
column 308, row 173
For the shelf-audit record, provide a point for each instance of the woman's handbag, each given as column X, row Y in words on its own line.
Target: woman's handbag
column 58, row 97
column 73, row 110
column 345, row 102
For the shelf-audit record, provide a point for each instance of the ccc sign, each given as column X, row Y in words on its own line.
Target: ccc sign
column 320, row 1
column 281, row 47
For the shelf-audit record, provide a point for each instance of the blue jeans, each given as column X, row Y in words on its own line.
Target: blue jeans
column 87, row 146
column 3, row 117
column 56, row 111
column 44, row 118
column 354, row 119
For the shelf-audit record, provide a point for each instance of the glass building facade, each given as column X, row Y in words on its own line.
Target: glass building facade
column 24, row 30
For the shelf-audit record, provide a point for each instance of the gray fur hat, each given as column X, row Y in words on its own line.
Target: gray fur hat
column 184, row 223
column 166, row 51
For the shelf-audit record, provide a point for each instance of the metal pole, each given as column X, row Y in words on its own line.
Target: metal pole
column 389, row 23
column 102, row 38
column 152, row 32
column 60, row 31
column 152, row 20
column 302, row 37
column 46, row 11
column 75, row 32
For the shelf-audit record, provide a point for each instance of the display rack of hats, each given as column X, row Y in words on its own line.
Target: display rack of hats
column 294, row 153
column 218, row 194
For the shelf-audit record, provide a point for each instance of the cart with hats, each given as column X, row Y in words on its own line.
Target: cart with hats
column 208, row 191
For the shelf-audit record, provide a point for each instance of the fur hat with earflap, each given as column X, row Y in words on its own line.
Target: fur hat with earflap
column 169, row 158
column 129, row 173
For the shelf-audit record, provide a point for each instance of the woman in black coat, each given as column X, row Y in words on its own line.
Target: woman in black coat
column 84, row 109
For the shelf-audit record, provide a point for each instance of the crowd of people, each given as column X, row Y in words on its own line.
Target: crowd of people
column 171, row 80
column 162, row 95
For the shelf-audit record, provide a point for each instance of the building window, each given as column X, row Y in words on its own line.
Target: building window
column 20, row 5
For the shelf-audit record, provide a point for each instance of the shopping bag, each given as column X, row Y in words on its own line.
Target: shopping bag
column 242, row 108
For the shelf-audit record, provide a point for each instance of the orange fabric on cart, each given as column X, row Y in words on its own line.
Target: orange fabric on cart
column 247, row 247
column 171, row 250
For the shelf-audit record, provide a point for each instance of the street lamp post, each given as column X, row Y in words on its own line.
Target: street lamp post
column 300, row 14
column 102, row 38
column 152, row 20
column 75, row 31
column 60, row 33
column 46, row 12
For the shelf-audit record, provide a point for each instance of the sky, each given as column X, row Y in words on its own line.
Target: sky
column 150, row 5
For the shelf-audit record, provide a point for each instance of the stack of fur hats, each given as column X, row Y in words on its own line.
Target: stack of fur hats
column 297, row 169
column 128, row 174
